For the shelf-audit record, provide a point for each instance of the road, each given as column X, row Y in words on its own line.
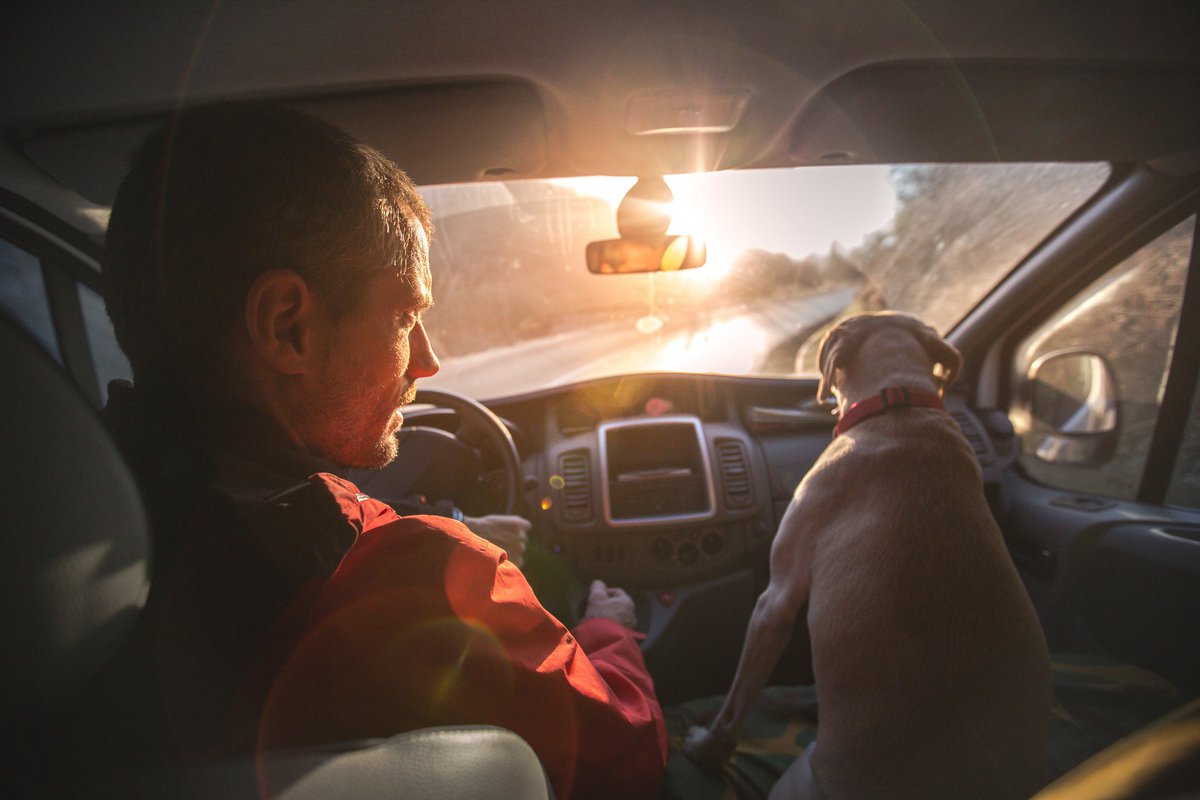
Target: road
column 735, row 340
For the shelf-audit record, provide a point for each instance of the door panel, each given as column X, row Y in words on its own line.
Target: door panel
column 1140, row 598
column 1116, row 577
column 1109, row 566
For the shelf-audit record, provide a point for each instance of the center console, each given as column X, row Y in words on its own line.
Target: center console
column 659, row 501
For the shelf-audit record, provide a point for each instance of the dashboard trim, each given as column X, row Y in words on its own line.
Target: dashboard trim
column 668, row 519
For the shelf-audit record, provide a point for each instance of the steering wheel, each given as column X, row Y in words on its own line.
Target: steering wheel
column 477, row 422
column 445, row 464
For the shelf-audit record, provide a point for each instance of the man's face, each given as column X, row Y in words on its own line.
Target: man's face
column 370, row 369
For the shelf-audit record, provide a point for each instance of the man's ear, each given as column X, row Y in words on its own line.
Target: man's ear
column 281, row 317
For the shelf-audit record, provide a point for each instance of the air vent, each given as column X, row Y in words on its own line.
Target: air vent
column 973, row 434
column 735, row 475
column 576, row 471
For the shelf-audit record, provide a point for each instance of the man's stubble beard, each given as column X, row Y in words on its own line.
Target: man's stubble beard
column 346, row 426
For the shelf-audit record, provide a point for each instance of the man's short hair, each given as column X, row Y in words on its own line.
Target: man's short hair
column 224, row 192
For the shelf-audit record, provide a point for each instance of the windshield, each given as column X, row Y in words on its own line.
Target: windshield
column 789, row 251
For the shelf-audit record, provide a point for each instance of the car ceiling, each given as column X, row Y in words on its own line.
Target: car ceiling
column 459, row 91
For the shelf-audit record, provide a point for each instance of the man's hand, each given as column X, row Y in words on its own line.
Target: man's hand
column 614, row 604
column 707, row 747
column 503, row 530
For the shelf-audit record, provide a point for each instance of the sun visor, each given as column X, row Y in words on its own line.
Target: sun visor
column 442, row 133
column 987, row 111
column 449, row 133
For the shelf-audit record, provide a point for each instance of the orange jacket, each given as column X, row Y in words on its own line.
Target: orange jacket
column 423, row 623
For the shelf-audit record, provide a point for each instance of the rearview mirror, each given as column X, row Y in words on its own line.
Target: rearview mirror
column 1074, row 401
column 645, row 254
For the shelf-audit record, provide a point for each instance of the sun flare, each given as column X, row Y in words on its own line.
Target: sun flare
column 797, row 211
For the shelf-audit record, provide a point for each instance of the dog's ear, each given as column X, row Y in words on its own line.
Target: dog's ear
column 830, row 355
column 940, row 353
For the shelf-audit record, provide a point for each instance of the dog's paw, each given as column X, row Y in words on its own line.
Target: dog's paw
column 707, row 747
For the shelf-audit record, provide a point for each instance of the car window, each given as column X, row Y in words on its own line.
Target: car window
column 107, row 357
column 1184, row 489
column 1129, row 319
column 23, row 295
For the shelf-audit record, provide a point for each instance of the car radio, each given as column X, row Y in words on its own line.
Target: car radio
column 655, row 471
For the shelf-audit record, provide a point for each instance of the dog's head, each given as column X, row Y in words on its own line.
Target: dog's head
column 842, row 342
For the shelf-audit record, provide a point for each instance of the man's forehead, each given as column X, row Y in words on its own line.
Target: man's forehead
column 422, row 278
column 421, row 287
column 415, row 285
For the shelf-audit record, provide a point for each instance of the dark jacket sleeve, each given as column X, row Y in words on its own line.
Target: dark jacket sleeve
column 425, row 623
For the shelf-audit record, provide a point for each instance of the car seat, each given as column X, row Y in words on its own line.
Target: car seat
column 1158, row 762
column 74, row 576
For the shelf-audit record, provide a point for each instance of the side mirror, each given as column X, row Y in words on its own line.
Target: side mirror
column 645, row 254
column 1073, row 408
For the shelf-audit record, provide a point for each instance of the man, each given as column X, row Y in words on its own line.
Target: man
column 267, row 276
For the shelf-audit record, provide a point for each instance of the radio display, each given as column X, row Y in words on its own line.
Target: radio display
column 656, row 470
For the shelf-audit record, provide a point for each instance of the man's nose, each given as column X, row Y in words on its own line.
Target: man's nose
column 423, row 362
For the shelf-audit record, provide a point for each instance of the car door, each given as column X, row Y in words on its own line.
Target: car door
column 1102, row 510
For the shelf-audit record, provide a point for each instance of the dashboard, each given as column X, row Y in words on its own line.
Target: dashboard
column 671, row 486
column 658, row 500
column 661, row 481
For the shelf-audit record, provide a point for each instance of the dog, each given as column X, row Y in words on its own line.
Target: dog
column 932, row 674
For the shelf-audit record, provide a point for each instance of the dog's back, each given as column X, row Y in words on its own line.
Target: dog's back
column 931, row 668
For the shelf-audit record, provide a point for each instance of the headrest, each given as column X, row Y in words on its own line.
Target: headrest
column 74, row 547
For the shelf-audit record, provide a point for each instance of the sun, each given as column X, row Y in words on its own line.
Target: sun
column 687, row 220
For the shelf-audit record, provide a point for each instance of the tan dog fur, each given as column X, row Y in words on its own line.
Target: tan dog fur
column 932, row 675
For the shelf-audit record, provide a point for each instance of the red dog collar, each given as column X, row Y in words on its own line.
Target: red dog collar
column 889, row 398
